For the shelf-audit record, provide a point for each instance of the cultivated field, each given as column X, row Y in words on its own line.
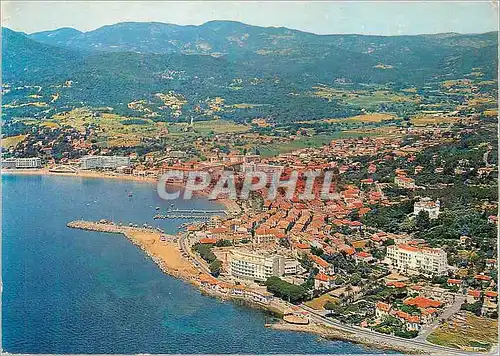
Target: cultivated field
column 467, row 333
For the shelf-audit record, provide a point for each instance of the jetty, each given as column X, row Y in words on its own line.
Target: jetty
column 196, row 211
column 189, row 214
column 182, row 216
column 162, row 248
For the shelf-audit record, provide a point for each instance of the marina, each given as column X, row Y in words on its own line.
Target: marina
column 189, row 214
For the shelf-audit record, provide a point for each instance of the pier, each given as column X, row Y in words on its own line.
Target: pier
column 182, row 216
column 196, row 211
column 111, row 227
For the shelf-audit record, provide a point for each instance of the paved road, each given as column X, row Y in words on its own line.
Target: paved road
column 452, row 310
column 383, row 338
column 200, row 265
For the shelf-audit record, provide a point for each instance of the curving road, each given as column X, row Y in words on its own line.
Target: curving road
column 383, row 338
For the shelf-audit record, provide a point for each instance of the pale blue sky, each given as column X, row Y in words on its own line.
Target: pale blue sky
column 381, row 18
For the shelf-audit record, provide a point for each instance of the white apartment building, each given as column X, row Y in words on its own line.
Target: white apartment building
column 20, row 163
column 407, row 258
column 426, row 204
column 292, row 266
column 255, row 266
column 268, row 169
column 93, row 162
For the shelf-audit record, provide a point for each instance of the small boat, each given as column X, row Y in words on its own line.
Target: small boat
column 130, row 194
column 157, row 208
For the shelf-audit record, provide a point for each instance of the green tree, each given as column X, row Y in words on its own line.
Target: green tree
column 215, row 268
column 422, row 221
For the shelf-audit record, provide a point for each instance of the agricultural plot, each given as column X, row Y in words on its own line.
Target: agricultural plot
column 467, row 333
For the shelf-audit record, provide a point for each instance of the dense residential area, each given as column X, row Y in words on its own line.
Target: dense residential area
column 406, row 244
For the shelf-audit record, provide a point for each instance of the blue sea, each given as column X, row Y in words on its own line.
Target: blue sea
column 72, row 291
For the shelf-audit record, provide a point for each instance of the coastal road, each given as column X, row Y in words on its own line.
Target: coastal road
column 375, row 337
column 200, row 265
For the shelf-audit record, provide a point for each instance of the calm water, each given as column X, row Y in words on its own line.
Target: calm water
column 71, row 291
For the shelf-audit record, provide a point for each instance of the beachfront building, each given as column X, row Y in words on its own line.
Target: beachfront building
column 255, row 266
column 426, row 204
column 22, row 163
column 407, row 258
column 113, row 162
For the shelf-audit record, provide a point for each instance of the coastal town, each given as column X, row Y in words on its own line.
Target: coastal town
column 340, row 185
column 365, row 259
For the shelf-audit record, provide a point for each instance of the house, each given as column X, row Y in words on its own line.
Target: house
column 427, row 205
column 473, row 296
column 259, row 296
column 454, row 282
column 423, row 302
column 322, row 265
column 404, row 182
column 323, row 281
column 363, row 257
column 395, row 284
column 463, row 240
column 207, row 241
column 428, row 315
column 490, row 303
column 382, row 310
column 493, row 219
column 482, row 278
column 412, row 322
column 491, row 263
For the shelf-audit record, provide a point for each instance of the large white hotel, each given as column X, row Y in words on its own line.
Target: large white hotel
column 113, row 162
column 407, row 258
column 20, row 163
column 255, row 266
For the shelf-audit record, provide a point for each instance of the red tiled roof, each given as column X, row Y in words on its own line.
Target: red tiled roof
column 363, row 254
column 383, row 306
column 206, row 240
column 396, row 284
column 491, row 294
column 319, row 261
column 423, row 302
column 322, row 277
column 474, row 293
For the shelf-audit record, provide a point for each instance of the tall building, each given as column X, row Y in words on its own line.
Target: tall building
column 255, row 266
column 407, row 258
column 93, row 162
column 20, row 163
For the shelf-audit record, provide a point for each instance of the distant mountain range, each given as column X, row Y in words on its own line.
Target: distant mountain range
column 136, row 56
column 334, row 55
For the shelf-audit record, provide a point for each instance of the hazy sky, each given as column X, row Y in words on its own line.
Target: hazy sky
column 384, row 18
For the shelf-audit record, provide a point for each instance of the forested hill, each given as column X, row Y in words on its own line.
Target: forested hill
column 276, row 67
column 358, row 58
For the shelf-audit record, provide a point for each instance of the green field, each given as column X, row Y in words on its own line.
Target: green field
column 474, row 332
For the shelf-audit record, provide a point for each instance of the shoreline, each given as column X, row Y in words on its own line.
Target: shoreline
column 331, row 333
column 228, row 204
column 167, row 255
